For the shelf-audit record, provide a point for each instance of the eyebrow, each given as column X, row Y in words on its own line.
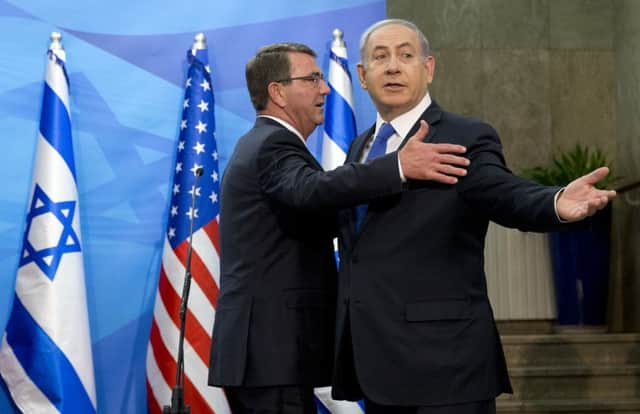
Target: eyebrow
column 384, row 47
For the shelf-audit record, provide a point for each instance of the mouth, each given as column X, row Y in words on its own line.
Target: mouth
column 320, row 105
column 393, row 86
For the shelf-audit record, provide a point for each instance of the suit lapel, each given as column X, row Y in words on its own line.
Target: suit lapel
column 432, row 115
column 355, row 154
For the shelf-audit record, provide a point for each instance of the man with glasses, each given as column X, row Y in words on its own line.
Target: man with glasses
column 273, row 335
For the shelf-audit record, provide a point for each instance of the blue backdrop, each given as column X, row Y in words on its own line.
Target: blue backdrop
column 126, row 68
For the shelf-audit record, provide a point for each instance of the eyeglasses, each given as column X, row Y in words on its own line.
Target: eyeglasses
column 314, row 77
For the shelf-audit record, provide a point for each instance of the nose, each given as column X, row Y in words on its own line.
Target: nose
column 392, row 64
column 324, row 87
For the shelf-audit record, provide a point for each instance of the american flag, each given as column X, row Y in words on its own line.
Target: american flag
column 196, row 150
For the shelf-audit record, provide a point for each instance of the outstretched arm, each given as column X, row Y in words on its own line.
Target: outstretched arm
column 581, row 199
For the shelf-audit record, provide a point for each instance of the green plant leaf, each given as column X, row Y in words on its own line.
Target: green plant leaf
column 567, row 166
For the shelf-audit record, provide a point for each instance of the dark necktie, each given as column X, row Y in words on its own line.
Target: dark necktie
column 378, row 148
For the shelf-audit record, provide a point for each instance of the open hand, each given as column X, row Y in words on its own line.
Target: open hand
column 436, row 162
column 581, row 199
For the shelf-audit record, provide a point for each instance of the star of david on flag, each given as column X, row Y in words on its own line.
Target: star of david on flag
column 48, row 218
column 45, row 358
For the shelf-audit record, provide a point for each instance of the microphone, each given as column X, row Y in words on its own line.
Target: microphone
column 177, row 393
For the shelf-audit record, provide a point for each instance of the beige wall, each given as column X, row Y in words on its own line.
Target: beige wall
column 548, row 74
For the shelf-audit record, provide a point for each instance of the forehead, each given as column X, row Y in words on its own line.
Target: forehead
column 302, row 63
column 392, row 36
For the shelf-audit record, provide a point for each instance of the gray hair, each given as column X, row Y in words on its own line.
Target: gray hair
column 364, row 39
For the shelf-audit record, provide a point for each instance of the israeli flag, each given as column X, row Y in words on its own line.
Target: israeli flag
column 339, row 131
column 45, row 358
column 339, row 119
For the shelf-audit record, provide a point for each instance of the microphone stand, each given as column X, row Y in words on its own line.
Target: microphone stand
column 177, row 393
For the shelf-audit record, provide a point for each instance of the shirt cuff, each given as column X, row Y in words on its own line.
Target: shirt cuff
column 402, row 177
column 555, row 205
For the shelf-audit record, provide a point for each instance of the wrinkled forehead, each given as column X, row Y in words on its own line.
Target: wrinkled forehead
column 392, row 36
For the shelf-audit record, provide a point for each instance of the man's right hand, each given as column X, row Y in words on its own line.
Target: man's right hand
column 435, row 162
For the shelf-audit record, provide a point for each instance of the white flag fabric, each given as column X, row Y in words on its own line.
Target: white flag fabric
column 45, row 358
column 339, row 131
column 339, row 120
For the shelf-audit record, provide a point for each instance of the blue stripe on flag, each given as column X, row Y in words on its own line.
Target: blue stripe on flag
column 341, row 125
column 45, row 364
column 320, row 406
column 55, row 126
column 340, row 61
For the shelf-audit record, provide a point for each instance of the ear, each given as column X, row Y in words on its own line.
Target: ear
column 361, row 75
column 430, row 66
column 277, row 94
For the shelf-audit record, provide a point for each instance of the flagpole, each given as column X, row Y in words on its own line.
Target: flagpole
column 177, row 393
column 339, row 131
column 45, row 358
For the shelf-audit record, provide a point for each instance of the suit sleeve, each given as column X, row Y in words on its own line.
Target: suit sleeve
column 505, row 198
column 289, row 174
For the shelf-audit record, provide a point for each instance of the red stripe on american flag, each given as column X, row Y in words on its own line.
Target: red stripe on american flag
column 199, row 273
column 194, row 399
column 211, row 228
column 154, row 407
column 167, row 366
column 195, row 334
column 164, row 359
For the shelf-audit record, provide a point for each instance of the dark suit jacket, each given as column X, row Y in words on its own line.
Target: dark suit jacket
column 275, row 315
column 412, row 287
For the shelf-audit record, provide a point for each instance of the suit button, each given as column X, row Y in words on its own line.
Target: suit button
column 355, row 259
column 345, row 301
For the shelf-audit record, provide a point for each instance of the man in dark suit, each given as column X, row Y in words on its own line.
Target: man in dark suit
column 415, row 330
column 274, row 329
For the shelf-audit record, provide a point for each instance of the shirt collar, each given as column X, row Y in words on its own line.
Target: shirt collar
column 403, row 123
column 286, row 125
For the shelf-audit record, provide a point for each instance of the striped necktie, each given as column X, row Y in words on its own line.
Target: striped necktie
column 378, row 148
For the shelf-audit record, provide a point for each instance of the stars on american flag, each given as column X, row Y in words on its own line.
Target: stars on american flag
column 192, row 213
column 198, row 148
column 197, row 153
column 201, row 127
column 204, row 106
column 195, row 169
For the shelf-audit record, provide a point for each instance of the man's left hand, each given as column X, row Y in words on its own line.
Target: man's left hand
column 581, row 199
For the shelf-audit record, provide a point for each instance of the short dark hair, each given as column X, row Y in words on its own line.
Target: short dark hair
column 270, row 64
